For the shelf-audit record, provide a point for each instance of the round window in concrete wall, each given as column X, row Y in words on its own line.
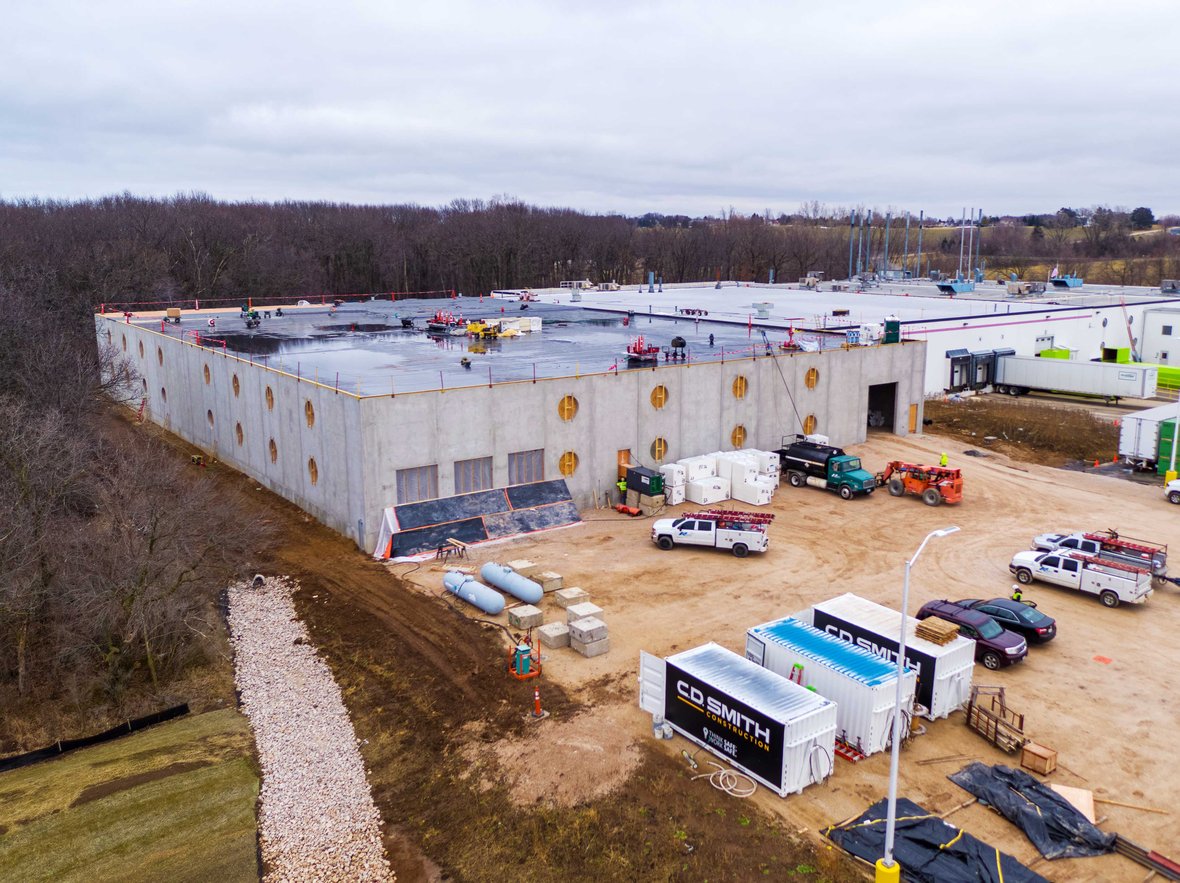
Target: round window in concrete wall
column 309, row 413
column 811, row 378
column 209, row 417
column 740, row 386
column 659, row 449
column 567, row 408
column 238, row 433
column 270, row 399
column 160, row 355
column 124, row 343
column 659, row 397
column 568, row 464
column 313, row 471
column 274, row 451
column 207, row 377
column 163, row 394
column 809, row 424
column 141, row 349
column 738, row 437
column 237, row 386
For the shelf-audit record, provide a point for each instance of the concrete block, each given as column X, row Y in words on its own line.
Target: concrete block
column 554, row 635
column 652, row 501
column 526, row 616
column 595, row 648
column 572, row 595
column 588, row 629
column 580, row 611
column 633, row 499
column 550, row 581
column 524, row 567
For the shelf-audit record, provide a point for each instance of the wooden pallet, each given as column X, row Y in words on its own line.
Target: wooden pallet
column 989, row 715
column 937, row 631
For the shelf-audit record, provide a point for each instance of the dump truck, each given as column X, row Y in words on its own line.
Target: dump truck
column 1111, row 581
column 740, row 532
column 934, row 484
column 824, row 466
column 1109, row 545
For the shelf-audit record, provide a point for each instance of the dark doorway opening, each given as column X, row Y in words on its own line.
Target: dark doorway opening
column 883, row 406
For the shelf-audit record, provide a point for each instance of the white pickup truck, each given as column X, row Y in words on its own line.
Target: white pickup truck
column 1109, row 545
column 740, row 532
column 1112, row 582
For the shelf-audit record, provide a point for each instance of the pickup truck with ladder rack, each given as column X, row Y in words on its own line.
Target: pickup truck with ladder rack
column 1109, row 545
column 740, row 532
column 1112, row 581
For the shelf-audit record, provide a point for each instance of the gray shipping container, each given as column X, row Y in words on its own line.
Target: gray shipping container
column 1017, row 374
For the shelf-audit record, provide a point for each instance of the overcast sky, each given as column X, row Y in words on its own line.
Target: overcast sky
column 603, row 105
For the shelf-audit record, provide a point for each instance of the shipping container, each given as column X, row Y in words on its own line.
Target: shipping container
column 863, row 685
column 776, row 732
column 945, row 671
column 1145, row 437
column 1019, row 374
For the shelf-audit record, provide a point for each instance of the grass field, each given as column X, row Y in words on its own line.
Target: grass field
column 174, row 802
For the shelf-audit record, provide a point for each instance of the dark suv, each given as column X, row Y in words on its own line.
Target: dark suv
column 995, row 646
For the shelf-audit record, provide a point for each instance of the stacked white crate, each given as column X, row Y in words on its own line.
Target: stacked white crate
column 747, row 484
column 675, row 478
column 702, row 485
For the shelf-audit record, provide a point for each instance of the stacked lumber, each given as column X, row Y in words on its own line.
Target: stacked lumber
column 937, row 631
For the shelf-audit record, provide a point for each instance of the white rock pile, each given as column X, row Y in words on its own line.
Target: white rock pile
column 317, row 819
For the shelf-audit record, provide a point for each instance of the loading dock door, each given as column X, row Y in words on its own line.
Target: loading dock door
column 960, row 369
column 883, row 406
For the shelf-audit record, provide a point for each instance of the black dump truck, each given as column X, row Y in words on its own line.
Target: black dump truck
column 824, row 466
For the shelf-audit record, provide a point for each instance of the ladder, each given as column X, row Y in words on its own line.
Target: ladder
column 1113, row 539
column 142, row 409
column 733, row 515
column 849, row 752
column 1113, row 565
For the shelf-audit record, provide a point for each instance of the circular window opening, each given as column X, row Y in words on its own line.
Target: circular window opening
column 659, row 449
column 238, row 433
column 207, row 377
column 237, row 386
column 124, row 343
column 163, row 394
column 141, row 349
column 309, row 413
column 740, row 385
column 811, row 378
column 160, row 355
column 738, row 436
column 659, row 396
column 270, row 399
column 209, row 417
column 313, row 471
column 809, row 424
column 566, row 409
column 568, row 464
column 274, row 451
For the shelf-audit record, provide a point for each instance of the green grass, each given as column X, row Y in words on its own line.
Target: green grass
column 175, row 802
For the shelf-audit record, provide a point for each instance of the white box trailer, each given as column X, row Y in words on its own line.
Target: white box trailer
column 1017, row 375
column 776, row 732
column 945, row 671
column 1139, row 435
column 863, row 685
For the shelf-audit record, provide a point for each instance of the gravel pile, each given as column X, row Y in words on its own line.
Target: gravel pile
column 317, row 819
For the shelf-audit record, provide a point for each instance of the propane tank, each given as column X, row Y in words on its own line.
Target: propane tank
column 473, row 592
column 508, row 580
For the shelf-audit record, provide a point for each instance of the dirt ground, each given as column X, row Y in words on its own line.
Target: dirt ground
column 1100, row 694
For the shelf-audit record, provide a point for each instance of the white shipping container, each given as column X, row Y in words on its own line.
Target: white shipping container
column 1139, row 434
column 675, row 475
column 757, row 493
column 945, row 671
column 674, row 496
column 707, row 491
column 863, row 686
column 1109, row 379
column 777, row 732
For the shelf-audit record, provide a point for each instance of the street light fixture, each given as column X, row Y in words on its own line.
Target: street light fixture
column 888, row 871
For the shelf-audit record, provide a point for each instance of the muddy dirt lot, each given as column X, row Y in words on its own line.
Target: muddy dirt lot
column 1101, row 694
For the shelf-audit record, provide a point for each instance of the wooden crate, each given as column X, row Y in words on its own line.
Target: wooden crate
column 1038, row 758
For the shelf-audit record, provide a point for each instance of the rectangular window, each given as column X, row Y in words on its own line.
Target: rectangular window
column 526, row 466
column 419, row 483
column 1167, row 331
column 473, row 475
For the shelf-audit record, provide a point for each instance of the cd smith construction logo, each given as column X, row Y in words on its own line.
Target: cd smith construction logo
column 720, row 713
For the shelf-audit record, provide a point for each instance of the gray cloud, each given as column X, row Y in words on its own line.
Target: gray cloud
column 677, row 107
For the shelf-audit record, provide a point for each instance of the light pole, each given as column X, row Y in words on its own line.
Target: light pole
column 888, row 871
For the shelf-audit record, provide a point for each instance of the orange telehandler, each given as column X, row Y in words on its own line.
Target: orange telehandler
column 934, row 484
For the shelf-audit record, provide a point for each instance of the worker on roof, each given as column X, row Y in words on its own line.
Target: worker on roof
column 942, row 460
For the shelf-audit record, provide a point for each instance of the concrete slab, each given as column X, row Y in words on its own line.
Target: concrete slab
column 526, row 616
column 579, row 611
column 554, row 635
column 524, row 567
column 588, row 629
column 572, row 595
column 550, row 581
column 595, row 648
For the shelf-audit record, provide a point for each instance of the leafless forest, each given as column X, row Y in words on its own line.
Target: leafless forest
column 112, row 549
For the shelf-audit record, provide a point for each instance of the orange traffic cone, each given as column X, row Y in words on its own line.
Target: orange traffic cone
column 1095, row 462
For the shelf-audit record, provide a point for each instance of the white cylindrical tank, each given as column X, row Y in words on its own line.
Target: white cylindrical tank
column 508, row 580
column 473, row 592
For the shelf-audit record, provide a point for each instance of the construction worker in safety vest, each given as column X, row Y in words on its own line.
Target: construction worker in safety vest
column 622, row 486
column 1017, row 595
column 942, row 461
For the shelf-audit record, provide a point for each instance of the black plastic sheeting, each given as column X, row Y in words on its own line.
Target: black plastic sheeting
column 506, row 524
column 539, row 493
column 929, row 849
column 58, row 748
column 1050, row 821
column 415, row 515
column 422, row 539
